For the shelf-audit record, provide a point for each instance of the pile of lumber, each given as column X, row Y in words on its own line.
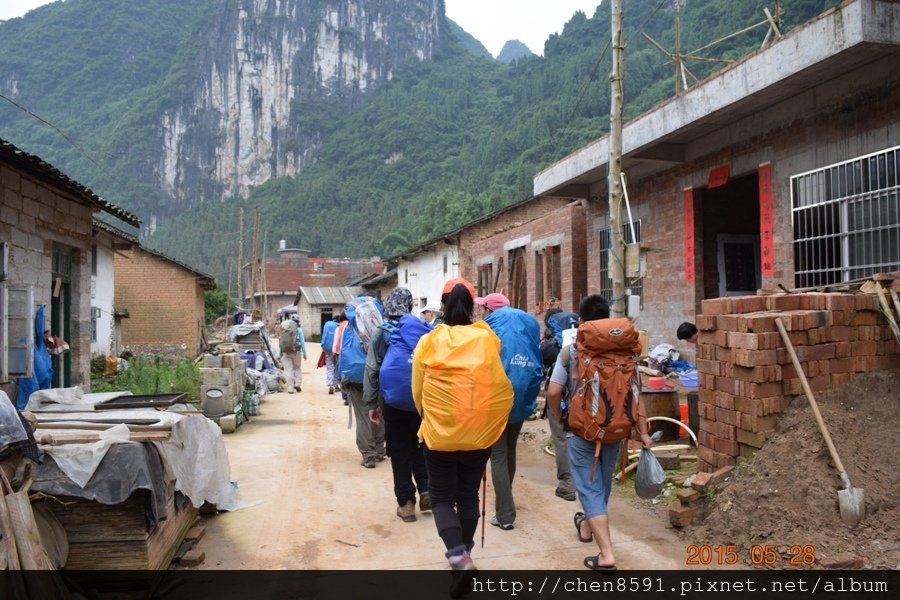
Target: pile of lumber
column 115, row 537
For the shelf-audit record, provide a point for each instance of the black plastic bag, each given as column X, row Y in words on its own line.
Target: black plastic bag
column 650, row 476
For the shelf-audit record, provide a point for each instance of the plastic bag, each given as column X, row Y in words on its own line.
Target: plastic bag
column 650, row 476
column 11, row 429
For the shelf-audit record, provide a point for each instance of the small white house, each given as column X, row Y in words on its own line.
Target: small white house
column 105, row 333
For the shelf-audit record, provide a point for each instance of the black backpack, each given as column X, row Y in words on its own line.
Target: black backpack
column 549, row 351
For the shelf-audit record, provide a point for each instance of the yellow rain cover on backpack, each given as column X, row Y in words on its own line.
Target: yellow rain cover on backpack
column 460, row 387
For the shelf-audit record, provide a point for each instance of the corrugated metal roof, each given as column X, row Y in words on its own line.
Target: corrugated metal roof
column 330, row 295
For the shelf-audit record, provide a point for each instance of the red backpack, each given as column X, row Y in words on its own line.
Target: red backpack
column 605, row 404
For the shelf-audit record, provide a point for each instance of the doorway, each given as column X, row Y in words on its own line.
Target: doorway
column 729, row 238
column 60, row 313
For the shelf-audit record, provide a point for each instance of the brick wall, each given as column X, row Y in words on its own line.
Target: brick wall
column 746, row 374
column 164, row 302
column 544, row 218
column 33, row 218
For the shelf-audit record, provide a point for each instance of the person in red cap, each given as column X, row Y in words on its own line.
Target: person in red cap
column 461, row 390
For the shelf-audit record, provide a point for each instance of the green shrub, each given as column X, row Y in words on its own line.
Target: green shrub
column 152, row 375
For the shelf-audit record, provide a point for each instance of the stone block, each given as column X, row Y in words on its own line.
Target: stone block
column 224, row 377
column 212, row 361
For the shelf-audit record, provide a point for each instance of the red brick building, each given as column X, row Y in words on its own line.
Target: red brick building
column 278, row 279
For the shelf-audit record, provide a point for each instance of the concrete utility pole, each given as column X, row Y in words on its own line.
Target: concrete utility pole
column 614, row 181
column 240, row 265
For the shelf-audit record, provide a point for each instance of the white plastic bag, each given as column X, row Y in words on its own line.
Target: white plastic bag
column 650, row 476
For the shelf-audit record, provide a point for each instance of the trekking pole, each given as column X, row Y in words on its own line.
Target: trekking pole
column 483, row 502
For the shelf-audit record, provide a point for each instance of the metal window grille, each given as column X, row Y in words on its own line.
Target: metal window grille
column 485, row 276
column 95, row 315
column 634, row 286
column 846, row 219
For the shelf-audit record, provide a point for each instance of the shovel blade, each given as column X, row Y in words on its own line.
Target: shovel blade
column 852, row 503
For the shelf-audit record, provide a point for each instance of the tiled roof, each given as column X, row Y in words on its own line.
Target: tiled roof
column 50, row 175
column 205, row 280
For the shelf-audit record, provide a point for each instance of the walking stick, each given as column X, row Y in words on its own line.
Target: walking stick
column 483, row 502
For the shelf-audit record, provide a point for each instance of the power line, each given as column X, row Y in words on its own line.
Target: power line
column 593, row 72
column 65, row 136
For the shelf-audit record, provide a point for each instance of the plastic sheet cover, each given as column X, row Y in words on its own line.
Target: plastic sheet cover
column 194, row 457
column 11, row 429
column 68, row 399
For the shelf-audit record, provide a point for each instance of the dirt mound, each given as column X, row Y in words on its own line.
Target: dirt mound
column 786, row 495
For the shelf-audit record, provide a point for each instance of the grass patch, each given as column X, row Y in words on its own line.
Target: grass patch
column 151, row 375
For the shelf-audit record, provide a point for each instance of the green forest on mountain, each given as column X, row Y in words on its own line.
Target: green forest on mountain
column 445, row 141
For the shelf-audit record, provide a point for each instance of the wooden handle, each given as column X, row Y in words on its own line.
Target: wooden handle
column 809, row 395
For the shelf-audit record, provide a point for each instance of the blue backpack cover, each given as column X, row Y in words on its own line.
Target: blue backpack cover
column 395, row 377
column 353, row 355
column 328, row 330
column 560, row 322
column 520, row 353
column 355, row 340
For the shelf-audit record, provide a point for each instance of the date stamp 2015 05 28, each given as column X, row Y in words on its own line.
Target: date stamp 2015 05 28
column 759, row 555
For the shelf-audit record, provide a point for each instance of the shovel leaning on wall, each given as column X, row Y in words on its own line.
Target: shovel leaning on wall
column 851, row 500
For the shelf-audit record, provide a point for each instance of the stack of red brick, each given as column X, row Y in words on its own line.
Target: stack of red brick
column 746, row 374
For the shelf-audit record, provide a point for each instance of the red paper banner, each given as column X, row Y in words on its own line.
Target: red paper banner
column 766, row 221
column 718, row 177
column 689, row 235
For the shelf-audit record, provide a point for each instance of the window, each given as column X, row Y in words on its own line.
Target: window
column 95, row 316
column 94, row 260
column 846, row 220
column 633, row 286
column 16, row 332
column 548, row 274
column 445, row 264
column 485, row 279
column 406, row 276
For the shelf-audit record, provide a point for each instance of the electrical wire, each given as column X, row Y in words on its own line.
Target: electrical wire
column 593, row 72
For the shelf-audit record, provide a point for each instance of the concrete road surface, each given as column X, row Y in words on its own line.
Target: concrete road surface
column 314, row 507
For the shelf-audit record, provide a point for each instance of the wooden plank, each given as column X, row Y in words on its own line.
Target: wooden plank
column 88, row 521
column 58, row 439
column 886, row 309
column 154, row 553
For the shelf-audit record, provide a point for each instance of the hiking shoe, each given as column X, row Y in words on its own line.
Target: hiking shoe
column 298, row 388
column 368, row 462
column 504, row 526
column 463, row 574
column 330, row 390
column 570, row 496
column 290, row 390
column 380, row 457
column 407, row 512
column 424, row 501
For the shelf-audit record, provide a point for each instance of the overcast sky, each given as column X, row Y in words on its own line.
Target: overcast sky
column 492, row 22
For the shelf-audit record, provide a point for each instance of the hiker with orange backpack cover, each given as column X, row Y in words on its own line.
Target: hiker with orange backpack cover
column 600, row 372
column 464, row 396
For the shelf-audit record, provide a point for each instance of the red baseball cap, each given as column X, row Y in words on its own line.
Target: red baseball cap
column 448, row 287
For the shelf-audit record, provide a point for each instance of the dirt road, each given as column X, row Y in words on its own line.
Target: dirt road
column 315, row 507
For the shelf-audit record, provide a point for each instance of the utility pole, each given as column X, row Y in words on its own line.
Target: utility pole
column 240, row 265
column 614, row 181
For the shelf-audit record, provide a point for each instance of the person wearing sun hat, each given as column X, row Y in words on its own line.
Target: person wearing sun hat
column 461, row 390
column 431, row 315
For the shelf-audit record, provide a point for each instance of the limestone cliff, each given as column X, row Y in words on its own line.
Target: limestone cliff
column 264, row 64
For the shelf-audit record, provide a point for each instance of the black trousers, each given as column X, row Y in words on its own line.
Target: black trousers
column 453, row 480
column 401, row 430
